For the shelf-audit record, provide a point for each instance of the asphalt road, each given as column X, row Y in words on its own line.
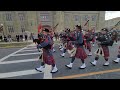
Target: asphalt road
column 21, row 65
column 4, row 52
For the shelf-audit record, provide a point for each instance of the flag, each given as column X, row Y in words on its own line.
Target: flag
column 39, row 27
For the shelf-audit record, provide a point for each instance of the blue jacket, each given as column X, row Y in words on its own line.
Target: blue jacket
column 79, row 38
column 47, row 42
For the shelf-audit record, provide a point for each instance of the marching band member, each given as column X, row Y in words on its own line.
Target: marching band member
column 61, row 45
column 66, row 39
column 93, row 40
column 88, row 37
column 80, row 52
column 70, row 46
column 52, row 35
column 118, row 56
column 47, row 56
column 103, row 50
column 115, row 36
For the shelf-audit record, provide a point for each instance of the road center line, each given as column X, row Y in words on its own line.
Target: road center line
column 87, row 74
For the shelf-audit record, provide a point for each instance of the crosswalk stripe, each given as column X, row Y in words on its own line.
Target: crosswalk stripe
column 18, row 61
column 18, row 73
column 47, row 72
column 25, row 54
column 31, row 47
column 29, row 50
column 2, row 59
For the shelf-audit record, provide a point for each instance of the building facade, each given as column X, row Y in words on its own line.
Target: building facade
column 112, row 22
column 20, row 22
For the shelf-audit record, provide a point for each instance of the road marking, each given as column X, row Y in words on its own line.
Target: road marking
column 47, row 72
column 32, row 45
column 25, row 54
column 87, row 74
column 19, row 61
column 2, row 59
column 29, row 50
column 18, row 73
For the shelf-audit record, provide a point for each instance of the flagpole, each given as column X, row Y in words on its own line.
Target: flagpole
column 86, row 23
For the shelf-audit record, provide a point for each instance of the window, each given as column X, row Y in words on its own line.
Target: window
column 21, row 16
column 76, row 18
column 31, row 23
column 8, row 17
column 93, row 18
column 22, row 28
column 10, row 29
column 86, row 17
column 67, row 17
column 44, row 17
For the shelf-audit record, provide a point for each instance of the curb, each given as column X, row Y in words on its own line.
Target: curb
column 12, row 47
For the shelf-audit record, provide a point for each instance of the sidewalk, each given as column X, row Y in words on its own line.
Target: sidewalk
column 16, row 42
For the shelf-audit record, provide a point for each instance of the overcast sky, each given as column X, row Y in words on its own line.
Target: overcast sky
column 112, row 14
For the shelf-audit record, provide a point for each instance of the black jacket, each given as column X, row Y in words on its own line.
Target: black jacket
column 105, row 39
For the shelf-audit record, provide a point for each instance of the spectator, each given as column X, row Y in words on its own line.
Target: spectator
column 31, row 36
column 1, row 38
column 5, row 38
column 26, row 37
column 9, row 38
column 17, row 37
column 21, row 37
column 35, row 38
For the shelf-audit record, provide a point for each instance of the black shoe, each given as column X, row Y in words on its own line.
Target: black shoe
column 105, row 65
column 62, row 56
column 92, row 64
column 54, row 72
column 68, row 67
column 82, row 68
column 89, row 55
column 37, row 70
column 115, row 61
